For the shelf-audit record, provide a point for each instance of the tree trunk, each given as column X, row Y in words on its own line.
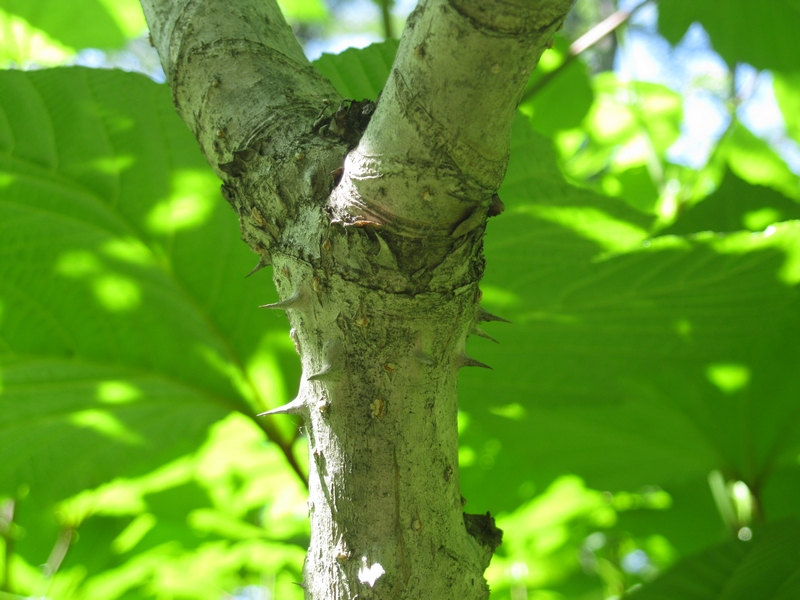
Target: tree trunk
column 377, row 264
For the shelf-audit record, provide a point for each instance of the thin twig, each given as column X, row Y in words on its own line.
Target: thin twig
column 386, row 17
column 583, row 43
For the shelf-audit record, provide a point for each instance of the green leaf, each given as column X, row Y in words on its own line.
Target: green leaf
column 44, row 29
column 787, row 93
column 630, row 361
column 767, row 567
column 565, row 96
column 359, row 74
column 619, row 148
column 233, row 495
column 691, row 521
column 763, row 34
column 126, row 324
column 735, row 206
column 753, row 160
column 304, row 11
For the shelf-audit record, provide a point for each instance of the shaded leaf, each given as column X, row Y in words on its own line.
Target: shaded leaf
column 766, row 567
column 359, row 74
column 125, row 329
column 630, row 361
column 563, row 101
column 735, row 206
column 763, row 34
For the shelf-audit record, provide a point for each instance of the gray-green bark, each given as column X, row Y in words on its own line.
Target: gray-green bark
column 379, row 272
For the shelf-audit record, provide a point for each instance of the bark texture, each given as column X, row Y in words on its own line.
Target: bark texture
column 377, row 264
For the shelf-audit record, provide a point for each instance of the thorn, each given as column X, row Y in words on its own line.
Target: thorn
column 333, row 362
column 481, row 333
column 327, row 372
column 484, row 315
column 293, row 301
column 468, row 361
column 262, row 262
column 295, row 407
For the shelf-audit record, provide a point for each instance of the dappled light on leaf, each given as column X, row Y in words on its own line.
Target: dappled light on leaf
column 611, row 234
column 108, row 425
column 563, row 101
column 264, row 370
column 728, row 377
column 754, row 161
column 510, row 411
column 112, row 165
column 563, row 535
column 113, row 292
column 72, row 26
column 133, row 533
column 23, row 43
column 304, row 11
column 497, row 296
column 782, row 238
column 623, row 140
column 129, row 250
column 117, row 293
column 189, row 205
column 117, row 392
column 231, row 498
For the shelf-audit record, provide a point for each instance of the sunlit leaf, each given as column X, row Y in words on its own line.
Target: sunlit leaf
column 125, row 329
column 304, row 11
column 42, row 30
column 621, row 144
column 610, row 349
column 787, row 93
column 753, row 160
column 233, row 499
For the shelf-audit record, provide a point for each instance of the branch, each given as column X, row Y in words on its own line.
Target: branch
column 238, row 76
column 443, row 121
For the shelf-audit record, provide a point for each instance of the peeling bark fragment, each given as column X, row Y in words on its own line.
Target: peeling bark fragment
column 496, row 207
column 483, row 529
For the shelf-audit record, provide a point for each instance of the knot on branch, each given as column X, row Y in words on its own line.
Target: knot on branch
column 348, row 122
column 483, row 529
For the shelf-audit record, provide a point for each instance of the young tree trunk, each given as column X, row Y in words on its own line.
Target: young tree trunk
column 377, row 264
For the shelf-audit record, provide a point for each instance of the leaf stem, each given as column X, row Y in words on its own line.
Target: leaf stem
column 285, row 446
column 6, row 525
